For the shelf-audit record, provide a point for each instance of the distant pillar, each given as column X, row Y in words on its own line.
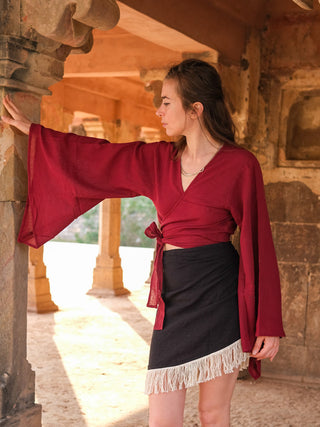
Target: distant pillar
column 107, row 275
column 39, row 296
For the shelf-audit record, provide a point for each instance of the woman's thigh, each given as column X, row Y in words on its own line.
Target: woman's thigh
column 215, row 397
column 166, row 409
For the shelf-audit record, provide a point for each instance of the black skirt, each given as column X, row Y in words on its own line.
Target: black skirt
column 201, row 334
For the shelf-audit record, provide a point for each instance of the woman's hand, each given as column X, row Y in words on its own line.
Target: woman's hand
column 265, row 348
column 17, row 119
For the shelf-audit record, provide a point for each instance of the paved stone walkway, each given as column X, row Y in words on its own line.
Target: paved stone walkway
column 90, row 357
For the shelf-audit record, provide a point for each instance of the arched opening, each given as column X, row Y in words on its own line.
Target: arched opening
column 303, row 132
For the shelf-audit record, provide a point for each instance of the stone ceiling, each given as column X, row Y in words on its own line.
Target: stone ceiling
column 150, row 36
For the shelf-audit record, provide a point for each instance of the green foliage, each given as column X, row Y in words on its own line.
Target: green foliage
column 136, row 215
column 89, row 232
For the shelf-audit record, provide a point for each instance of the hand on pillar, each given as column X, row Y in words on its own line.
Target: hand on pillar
column 17, row 119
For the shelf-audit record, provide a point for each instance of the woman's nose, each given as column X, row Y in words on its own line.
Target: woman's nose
column 159, row 112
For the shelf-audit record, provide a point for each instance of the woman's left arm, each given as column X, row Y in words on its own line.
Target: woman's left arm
column 259, row 287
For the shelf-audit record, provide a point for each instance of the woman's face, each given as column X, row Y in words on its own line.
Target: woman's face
column 173, row 116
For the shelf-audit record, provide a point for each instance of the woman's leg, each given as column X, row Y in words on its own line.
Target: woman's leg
column 215, row 399
column 166, row 409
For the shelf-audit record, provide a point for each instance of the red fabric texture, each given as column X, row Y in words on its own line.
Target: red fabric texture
column 69, row 174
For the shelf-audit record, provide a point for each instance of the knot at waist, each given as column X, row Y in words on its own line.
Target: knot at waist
column 153, row 232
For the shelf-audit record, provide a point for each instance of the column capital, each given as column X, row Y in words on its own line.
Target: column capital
column 16, row 55
column 70, row 22
column 153, row 79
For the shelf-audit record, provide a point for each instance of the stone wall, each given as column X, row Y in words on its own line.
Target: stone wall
column 295, row 212
column 274, row 98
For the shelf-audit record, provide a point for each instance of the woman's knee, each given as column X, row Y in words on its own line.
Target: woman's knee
column 215, row 416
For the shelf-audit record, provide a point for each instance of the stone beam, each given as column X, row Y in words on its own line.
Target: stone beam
column 101, row 74
column 101, row 97
column 218, row 29
column 119, row 53
column 144, row 26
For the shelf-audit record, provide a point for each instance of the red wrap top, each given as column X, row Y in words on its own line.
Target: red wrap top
column 69, row 174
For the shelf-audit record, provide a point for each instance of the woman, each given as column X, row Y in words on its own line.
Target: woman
column 215, row 310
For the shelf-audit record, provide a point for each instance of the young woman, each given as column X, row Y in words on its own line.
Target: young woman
column 216, row 312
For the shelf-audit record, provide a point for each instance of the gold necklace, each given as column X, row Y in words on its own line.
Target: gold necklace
column 187, row 174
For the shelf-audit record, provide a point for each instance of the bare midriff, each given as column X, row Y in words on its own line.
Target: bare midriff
column 168, row 247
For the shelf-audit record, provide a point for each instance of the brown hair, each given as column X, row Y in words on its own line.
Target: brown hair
column 198, row 81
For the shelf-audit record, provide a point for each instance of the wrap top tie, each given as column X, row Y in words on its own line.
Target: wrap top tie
column 155, row 299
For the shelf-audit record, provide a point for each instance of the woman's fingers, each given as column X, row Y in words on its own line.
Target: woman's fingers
column 17, row 119
column 13, row 109
column 257, row 346
column 9, row 105
column 265, row 348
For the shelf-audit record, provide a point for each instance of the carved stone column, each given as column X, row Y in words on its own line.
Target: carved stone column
column 107, row 275
column 16, row 376
column 39, row 296
column 29, row 64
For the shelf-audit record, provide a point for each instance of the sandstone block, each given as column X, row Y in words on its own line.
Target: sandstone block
column 290, row 362
column 313, row 309
column 297, row 242
column 294, row 283
column 313, row 364
column 292, row 202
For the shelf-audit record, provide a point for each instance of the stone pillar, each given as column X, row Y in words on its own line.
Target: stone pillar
column 29, row 64
column 39, row 296
column 16, row 377
column 107, row 275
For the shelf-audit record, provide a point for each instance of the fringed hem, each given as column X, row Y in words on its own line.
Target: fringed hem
column 197, row 371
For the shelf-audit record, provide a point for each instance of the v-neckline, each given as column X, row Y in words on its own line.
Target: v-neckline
column 200, row 173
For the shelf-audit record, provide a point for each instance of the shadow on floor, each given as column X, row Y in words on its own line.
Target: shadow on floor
column 130, row 314
column 54, row 390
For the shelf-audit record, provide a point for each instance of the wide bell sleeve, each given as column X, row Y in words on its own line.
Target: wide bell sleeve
column 68, row 174
column 259, row 290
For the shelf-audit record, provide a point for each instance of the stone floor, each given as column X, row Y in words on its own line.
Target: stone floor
column 90, row 357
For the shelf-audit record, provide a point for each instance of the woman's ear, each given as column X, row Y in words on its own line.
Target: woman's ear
column 197, row 110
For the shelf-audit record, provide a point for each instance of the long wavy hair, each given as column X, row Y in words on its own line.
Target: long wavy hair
column 198, row 81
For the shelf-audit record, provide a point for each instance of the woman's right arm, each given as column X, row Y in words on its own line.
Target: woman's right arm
column 17, row 119
column 68, row 174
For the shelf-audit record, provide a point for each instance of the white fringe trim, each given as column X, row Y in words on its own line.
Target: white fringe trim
column 197, row 371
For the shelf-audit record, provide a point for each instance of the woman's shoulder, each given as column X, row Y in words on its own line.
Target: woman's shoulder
column 163, row 149
column 240, row 156
column 158, row 148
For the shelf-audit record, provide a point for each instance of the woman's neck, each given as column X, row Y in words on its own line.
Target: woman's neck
column 199, row 145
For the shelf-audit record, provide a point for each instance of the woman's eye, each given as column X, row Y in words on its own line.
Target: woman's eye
column 166, row 103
